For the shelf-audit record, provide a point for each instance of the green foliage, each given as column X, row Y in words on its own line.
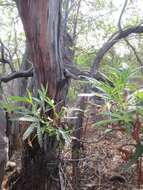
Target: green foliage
column 41, row 116
column 85, row 58
column 123, row 105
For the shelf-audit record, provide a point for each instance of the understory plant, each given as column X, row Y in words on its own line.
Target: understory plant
column 123, row 110
column 40, row 115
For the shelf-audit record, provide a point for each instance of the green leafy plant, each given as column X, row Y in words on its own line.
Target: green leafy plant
column 41, row 116
column 124, row 108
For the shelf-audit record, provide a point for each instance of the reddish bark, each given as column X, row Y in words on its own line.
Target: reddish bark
column 41, row 21
column 41, row 25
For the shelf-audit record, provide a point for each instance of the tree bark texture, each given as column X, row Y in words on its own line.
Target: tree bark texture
column 3, row 145
column 41, row 21
column 76, row 144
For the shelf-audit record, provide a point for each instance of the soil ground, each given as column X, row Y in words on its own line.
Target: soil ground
column 101, row 164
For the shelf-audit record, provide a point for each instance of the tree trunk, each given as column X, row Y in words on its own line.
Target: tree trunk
column 41, row 21
column 76, row 144
column 3, row 145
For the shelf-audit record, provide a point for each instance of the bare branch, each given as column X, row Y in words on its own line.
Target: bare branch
column 76, row 21
column 66, row 15
column 122, row 12
column 6, row 56
column 70, row 71
column 19, row 74
column 126, row 40
column 111, row 42
column 134, row 51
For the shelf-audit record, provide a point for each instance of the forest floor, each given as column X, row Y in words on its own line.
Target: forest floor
column 103, row 168
column 100, row 165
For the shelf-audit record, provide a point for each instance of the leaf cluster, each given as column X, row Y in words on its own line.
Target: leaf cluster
column 41, row 115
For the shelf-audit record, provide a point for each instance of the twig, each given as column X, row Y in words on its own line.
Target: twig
column 95, row 141
column 134, row 51
column 5, row 60
column 126, row 40
column 122, row 12
column 80, row 159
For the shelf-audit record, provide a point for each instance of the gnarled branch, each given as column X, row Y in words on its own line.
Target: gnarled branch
column 18, row 74
column 111, row 42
